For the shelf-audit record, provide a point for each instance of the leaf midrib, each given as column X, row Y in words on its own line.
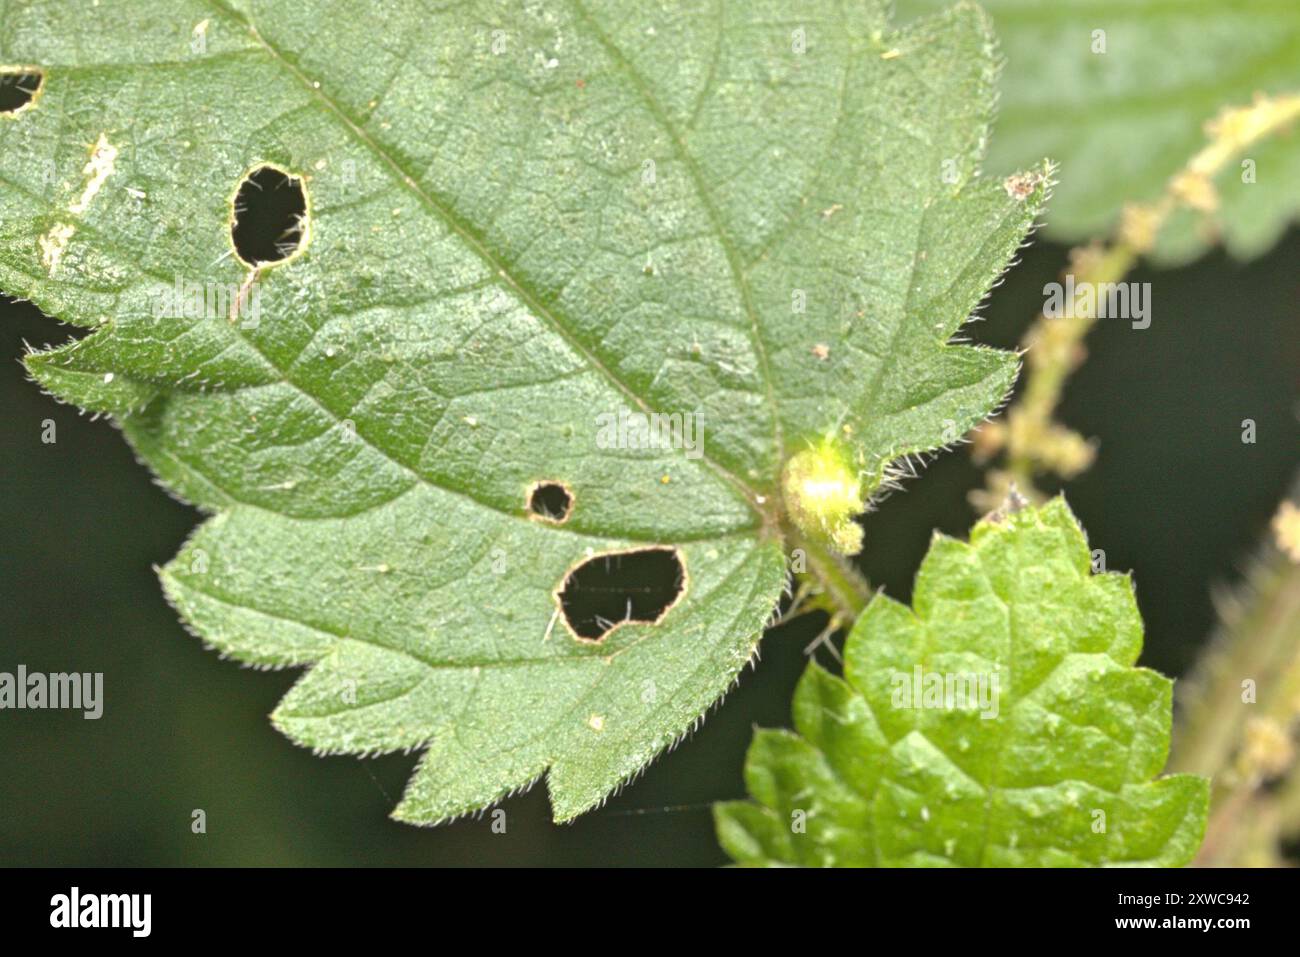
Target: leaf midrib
column 692, row 168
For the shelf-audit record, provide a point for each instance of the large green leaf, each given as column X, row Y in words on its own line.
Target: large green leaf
column 998, row 722
column 1123, row 122
column 521, row 218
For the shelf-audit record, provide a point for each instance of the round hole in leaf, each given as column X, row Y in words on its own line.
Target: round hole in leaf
column 270, row 216
column 18, row 88
column 551, row 501
column 608, row 590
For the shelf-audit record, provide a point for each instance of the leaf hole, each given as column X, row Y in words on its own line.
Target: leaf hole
column 18, row 88
column 270, row 220
column 551, row 502
column 609, row 590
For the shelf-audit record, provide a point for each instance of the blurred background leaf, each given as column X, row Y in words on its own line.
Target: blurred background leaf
column 1122, row 122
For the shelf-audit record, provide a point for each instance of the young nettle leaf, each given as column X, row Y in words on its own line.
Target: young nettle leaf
column 566, row 288
column 999, row 722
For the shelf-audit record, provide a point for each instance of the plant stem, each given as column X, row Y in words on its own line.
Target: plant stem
column 1033, row 442
column 839, row 588
column 1244, row 741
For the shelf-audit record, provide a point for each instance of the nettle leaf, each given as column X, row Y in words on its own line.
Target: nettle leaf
column 1123, row 121
column 998, row 722
column 517, row 226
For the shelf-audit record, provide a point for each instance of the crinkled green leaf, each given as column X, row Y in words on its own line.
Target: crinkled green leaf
column 521, row 217
column 1039, row 751
column 1123, row 122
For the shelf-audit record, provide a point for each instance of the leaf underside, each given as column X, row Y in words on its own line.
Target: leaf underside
column 518, row 220
column 1050, row 766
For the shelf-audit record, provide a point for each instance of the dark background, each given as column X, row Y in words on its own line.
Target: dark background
column 1175, row 496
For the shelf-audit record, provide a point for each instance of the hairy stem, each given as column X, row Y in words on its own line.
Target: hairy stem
column 1240, row 710
column 1032, row 441
column 838, row 587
